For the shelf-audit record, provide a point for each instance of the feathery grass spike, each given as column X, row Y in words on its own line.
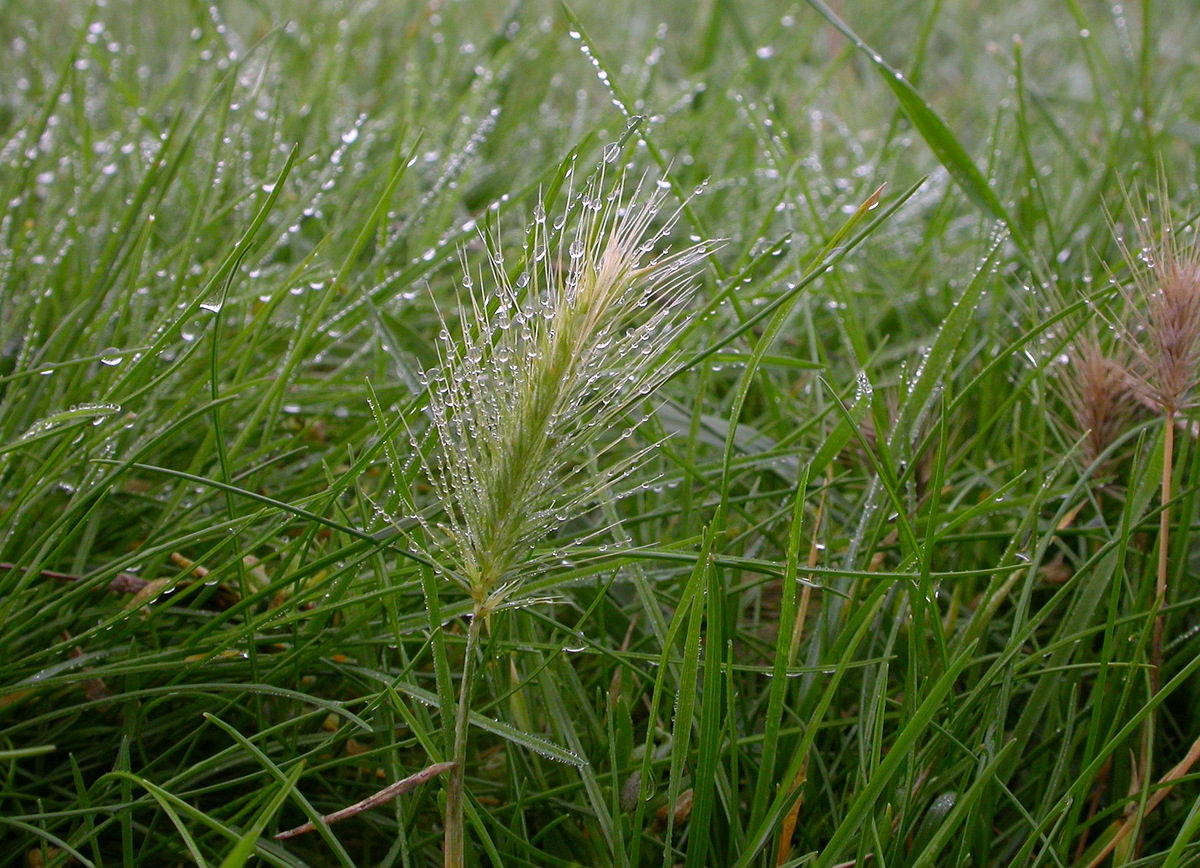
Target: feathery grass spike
column 545, row 373
column 1100, row 392
column 543, row 379
column 1165, row 310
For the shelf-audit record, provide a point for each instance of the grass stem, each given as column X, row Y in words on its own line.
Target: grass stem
column 1164, row 538
column 454, row 847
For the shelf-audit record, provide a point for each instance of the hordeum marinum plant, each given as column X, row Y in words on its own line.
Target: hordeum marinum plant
column 1164, row 311
column 544, row 378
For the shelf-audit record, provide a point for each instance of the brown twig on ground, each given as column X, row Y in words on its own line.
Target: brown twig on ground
column 124, row 583
column 382, row 797
column 1181, row 768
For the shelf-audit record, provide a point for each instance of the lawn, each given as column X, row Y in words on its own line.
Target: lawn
column 718, row 434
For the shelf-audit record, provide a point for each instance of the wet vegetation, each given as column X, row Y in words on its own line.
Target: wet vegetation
column 730, row 434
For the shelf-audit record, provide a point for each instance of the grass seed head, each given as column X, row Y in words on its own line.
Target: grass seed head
column 1101, row 394
column 1165, row 310
column 544, row 374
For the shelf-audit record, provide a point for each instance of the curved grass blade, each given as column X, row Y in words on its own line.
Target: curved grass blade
column 246, row 846
column 173, row 806
column 288, row 788
column 922, row 721
column 297, row 511
column 506, row 731
column 941, row 140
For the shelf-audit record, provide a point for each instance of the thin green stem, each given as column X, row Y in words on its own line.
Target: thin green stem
column 454, row 844
column 1164, row 531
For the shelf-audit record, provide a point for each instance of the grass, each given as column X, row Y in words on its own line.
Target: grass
column 866, row 591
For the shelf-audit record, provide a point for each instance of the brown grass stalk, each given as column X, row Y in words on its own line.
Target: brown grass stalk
column 1166, row 315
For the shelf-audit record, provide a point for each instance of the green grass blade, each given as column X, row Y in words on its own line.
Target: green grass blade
column 944, row 144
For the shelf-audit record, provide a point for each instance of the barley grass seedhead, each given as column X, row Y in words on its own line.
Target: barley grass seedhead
column 527, row 405
column 1101, row 394
column 1165, row 308
column 1164, row 311
column 546, row 371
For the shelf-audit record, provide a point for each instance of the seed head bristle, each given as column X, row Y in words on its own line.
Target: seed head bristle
column 1166, row 314
column 1101, row 394
column 543, row 373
